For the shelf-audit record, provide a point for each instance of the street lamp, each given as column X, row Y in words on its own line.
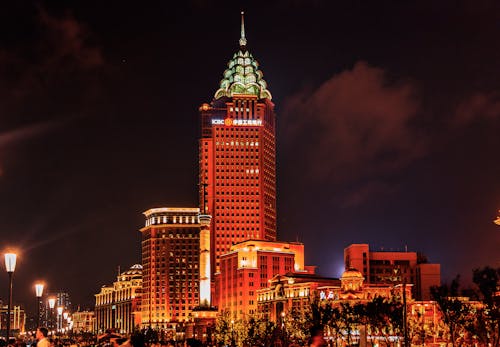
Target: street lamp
column 38, row 293
column 232, row 333
column 402, row 278
column 64, row 321
column 59, row 317
column 52, row 304
column 10, row 266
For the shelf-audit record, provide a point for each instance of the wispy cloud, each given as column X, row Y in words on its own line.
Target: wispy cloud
column 480, row 106
column 66, row 41
column 357, row 124
column 61, row 54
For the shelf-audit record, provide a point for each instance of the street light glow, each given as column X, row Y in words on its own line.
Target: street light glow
column 52, row 302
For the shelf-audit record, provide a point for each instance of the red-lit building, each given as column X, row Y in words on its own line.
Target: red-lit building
column 170, row 260
column 394, row 266
column 248, row 267
column 237, row 150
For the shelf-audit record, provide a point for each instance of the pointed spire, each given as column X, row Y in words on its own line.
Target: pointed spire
column 243, row 40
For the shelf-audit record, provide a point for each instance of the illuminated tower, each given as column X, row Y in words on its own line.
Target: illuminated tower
column 205, row 271
column 237, row 156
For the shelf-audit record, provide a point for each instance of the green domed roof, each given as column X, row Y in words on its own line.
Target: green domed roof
column 242, row 75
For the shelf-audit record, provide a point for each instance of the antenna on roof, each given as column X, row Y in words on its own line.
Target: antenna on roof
column 243, row 40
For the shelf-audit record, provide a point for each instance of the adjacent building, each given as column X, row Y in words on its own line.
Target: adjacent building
column 117, row 305
column 237, row 156
column 394, row 266
column 248, row 267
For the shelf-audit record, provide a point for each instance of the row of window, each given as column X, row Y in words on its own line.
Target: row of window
column 236, row 142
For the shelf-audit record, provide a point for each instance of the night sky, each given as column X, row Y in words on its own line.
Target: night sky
column 388, row 127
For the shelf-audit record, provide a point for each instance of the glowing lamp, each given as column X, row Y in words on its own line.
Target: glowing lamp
column 52, row 303
column 10, row 262
column 39, row 289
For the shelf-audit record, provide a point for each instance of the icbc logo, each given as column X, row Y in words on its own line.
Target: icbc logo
column 228, row 121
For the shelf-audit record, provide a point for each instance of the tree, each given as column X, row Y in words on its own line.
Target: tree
column 455, row 312
column 298, row 326
column 223, row 333
column 332, row 320
column 487, row 325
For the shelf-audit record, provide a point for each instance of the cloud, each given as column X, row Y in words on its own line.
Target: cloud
column 485, row 106
column 364, row 192
column 356, row 125
column 60, row 57
column 66, row 42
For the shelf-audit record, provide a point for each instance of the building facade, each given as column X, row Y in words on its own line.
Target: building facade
column 171, row 261
column 237, row 156
column 83, row 322
column 248, row 267
column 295, row 292
column 117, row 305
column 390, row 266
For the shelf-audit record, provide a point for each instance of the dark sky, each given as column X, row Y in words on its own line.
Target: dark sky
column 388, row 127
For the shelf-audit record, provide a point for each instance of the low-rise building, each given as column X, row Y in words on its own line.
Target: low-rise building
column 117, row 306
column 83, row 322
column 295, row 292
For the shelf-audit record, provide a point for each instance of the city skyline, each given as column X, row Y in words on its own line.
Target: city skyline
column 388, row 121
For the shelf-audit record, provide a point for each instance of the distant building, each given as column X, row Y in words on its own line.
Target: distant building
column 83, row 322
column 62, row 303
column 394, row 266
column 237, row 156
column 171, row 260
column 117, row 305
column 248, row 267
column 17, row 319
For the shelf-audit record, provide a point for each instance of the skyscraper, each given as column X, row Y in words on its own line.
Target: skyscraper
column 237, row 156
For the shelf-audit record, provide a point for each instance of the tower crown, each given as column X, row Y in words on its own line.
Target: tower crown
column 242, row 75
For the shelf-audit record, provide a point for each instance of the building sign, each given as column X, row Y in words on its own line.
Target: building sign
column 237, row 122
column 323, row 295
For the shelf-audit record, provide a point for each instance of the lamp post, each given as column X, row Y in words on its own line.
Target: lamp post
column 10, row 266
column 38, row 293
column 232, row 333
column 59, row 317
column 64, row 322
column 283, row 328
column 52, row 304
column 405, row 315
column 398, row 276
